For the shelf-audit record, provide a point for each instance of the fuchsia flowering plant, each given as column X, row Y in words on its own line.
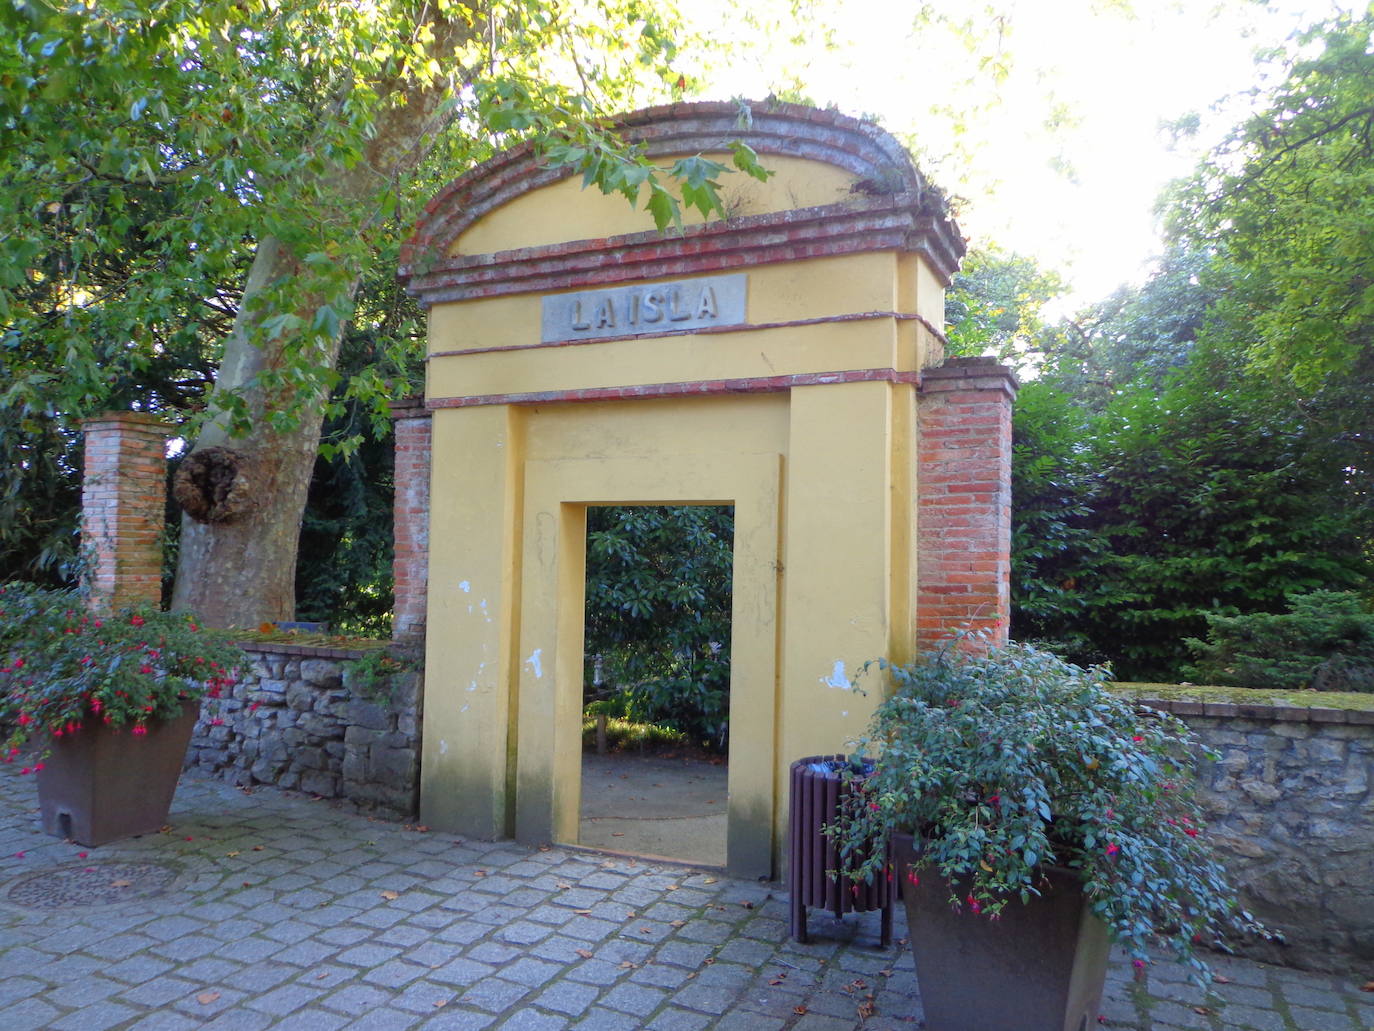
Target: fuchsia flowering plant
column 1005, row 761
column 63, row 667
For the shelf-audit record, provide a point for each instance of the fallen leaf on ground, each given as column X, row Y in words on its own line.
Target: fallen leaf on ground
column 321, row 976
column 121, row 884
column 1220, row 979
column 584, row 953
column 671, row 887
column 564, row 887
column 710, row 880
column 617, row 834
column 258, row 848
column 866, row 1009
column 390, row 895
column 1368, row 986
column 583, row 912
column 627, row 965
column 440, row 1003
column 479, row 873
column 747, row 905
column 205, row 998
column 1201, row 1009
column 231, row 855
column 678, row 923
column 799, row 1009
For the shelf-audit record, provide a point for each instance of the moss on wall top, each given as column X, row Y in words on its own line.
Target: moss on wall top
column 1250, row 696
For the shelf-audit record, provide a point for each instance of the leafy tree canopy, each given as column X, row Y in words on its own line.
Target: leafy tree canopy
column 1288, row 200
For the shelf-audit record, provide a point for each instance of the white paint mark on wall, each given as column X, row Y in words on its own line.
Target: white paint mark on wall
column 472, row 686
column 443, row 747
column 465, row 708
column 837, row 677
column 535, row 664
column 485, row 613
column 465, row 586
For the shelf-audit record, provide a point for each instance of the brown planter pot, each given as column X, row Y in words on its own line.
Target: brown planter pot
column 102, row 784
column 1040, row 966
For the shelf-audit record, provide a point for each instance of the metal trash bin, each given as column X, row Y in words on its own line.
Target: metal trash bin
column 816, row 788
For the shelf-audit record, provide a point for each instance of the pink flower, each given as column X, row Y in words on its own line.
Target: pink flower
column 1113, row 849
column 140, row 729
column 1139, row 964
column 145, row 668
column 136, row 620
column 973, row 904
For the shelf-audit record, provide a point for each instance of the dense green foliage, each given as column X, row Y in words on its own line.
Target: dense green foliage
column 1004, row 761
column 658, row 615
column 61, row 665
column 1324, row 642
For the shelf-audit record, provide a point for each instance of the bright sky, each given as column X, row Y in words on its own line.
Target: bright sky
column 1079, row 198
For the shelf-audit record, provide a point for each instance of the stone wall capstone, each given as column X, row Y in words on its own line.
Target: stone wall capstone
column 293, row 721
column 1289, row 806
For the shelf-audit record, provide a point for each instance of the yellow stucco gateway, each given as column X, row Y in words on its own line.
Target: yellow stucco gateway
column 770, row 362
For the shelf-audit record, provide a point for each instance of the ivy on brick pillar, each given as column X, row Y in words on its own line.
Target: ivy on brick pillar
column 123, row 502
column 963, row 471
column 410, row 566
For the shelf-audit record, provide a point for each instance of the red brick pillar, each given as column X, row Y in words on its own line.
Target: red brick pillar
column 410, row 566
column 123, row 506
column 963, row 476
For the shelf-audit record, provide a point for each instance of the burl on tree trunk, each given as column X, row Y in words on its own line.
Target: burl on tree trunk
column 240, row 530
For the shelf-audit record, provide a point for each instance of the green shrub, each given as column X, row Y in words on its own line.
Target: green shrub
column 62, row 666
column 1011, row 761
column 1324, row 642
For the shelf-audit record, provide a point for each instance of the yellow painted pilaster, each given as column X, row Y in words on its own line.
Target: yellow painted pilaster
column 837, row 596
column 473, row 587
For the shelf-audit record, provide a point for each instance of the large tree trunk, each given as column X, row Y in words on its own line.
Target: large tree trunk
column 244, row 496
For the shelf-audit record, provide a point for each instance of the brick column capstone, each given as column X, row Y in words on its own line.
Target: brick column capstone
column 963, row 469
column 123, row 505
column 410, row 566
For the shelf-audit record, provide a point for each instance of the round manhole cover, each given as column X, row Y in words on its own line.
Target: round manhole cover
column 92, row 884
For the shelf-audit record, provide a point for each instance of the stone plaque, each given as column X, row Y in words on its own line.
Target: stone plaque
column 645, row 308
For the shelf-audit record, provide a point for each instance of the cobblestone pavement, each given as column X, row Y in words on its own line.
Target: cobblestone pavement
column 273, row 911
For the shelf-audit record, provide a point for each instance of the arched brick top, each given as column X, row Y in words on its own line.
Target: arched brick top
column 896, row 210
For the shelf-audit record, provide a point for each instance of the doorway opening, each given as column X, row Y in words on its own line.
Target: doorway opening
column 656, row 681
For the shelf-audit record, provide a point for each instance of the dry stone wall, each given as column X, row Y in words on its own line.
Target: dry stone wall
column 1288, row 801
column 294, row 721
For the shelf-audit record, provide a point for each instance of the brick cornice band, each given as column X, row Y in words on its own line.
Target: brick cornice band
column 898, row 210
